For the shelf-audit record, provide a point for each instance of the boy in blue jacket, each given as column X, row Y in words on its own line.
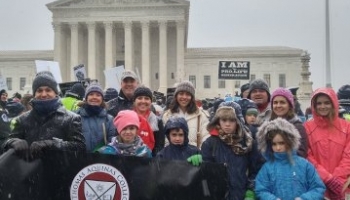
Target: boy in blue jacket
column 176, row 131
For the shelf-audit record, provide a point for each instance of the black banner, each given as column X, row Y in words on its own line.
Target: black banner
column 234, row 70
column 70, row 175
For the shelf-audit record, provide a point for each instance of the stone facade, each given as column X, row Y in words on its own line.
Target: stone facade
column 149, row 37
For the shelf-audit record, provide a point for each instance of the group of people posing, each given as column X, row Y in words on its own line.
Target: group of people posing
column 268, row 151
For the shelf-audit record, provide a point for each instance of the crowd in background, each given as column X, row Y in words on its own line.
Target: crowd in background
column 271, row 149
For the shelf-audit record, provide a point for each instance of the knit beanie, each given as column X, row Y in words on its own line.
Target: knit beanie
column 284, row 93
column 344, row 92
column 142, row 91
column 126, row 118
column 94, row 87
column 77, row 90
column 259, row 84
column 110, row 93
column 14, row 108
column 44, row 79
column 185, row 86
column 244, row 87
column 3, row 91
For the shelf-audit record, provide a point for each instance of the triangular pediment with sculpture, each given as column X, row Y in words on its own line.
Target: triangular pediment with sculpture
column 82, row 3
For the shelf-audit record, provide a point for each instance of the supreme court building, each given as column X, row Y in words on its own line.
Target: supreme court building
column 149, row 37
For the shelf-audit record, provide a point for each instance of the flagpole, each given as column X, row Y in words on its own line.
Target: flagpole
column 328, row 49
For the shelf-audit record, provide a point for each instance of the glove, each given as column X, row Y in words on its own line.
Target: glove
column 18, row 144
column 249, row 195
column 195, row 160
column 37, row 148
column 335, row 185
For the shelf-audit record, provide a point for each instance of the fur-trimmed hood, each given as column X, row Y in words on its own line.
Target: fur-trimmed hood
column 277, row 124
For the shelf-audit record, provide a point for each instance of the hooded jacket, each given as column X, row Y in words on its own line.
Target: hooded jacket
column 285, row 175
column 329, row 145
column 214, row 149
column 177, row 152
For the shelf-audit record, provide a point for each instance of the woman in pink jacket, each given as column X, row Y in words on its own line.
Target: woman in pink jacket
column 329, row 142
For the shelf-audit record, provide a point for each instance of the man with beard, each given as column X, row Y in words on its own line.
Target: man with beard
column 259, row 92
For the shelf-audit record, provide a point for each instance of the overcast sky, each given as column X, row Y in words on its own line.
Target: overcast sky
column 26, row 25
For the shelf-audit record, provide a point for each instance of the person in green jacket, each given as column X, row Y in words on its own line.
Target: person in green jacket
column 73, row 97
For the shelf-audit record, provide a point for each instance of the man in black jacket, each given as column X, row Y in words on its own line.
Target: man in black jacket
column 124, row 101
column 48, row 126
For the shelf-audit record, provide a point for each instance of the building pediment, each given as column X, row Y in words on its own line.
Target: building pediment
column 84, row 3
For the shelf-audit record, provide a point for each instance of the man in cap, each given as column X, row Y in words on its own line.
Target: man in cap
column 259, row 92
column 48, row 126
column 129, row 83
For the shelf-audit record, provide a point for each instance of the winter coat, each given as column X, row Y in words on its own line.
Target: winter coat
column 192, row 121
column 215, row 150
column 177, row 152
column 70, row 103
column 280, row 179
column 302, row 150
column 94, row 128
column 329, row 146
column 120, row 103
column 263, row 115
column 157, row 126
column 136, row 148
column 61, row 124
column 4, row 126
column 285, row 175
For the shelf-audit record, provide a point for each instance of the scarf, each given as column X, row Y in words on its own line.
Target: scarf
column 45, row 107
column 92, row 110
column 136, row 148
column 241, row 141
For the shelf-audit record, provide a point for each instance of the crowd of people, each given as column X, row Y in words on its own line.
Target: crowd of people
column 270, row 151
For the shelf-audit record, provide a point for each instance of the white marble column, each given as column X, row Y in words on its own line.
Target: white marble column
column 108, row 44
column 57, row 27
column 74, row 48
column 128, row 45
column 180, row 50
column 91, row 50
column 163, row 61
column 145, row 54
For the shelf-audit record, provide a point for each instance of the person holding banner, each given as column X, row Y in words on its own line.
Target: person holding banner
column 48, row 126
column 98, row 128
column 184, row 105
column 129, row 82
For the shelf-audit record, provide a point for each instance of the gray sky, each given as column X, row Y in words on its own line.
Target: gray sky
column 26, row 25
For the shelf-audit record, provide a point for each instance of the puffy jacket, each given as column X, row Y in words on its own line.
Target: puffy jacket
column 215, row 150
column 280, row 179
column 120, row 103
column 329, row 146
column 93, row 129
column 61, row 124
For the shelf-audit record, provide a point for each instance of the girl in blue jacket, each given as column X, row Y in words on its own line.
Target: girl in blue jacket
column 285, row 175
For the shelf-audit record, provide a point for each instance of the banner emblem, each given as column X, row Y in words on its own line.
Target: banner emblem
column 99, row 181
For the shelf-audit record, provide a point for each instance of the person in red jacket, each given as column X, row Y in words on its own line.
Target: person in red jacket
column 329, row 142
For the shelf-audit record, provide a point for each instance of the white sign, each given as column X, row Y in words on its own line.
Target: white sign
column 80, row 72
column 114, row 77
column 51, row 66
column 3, row 84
